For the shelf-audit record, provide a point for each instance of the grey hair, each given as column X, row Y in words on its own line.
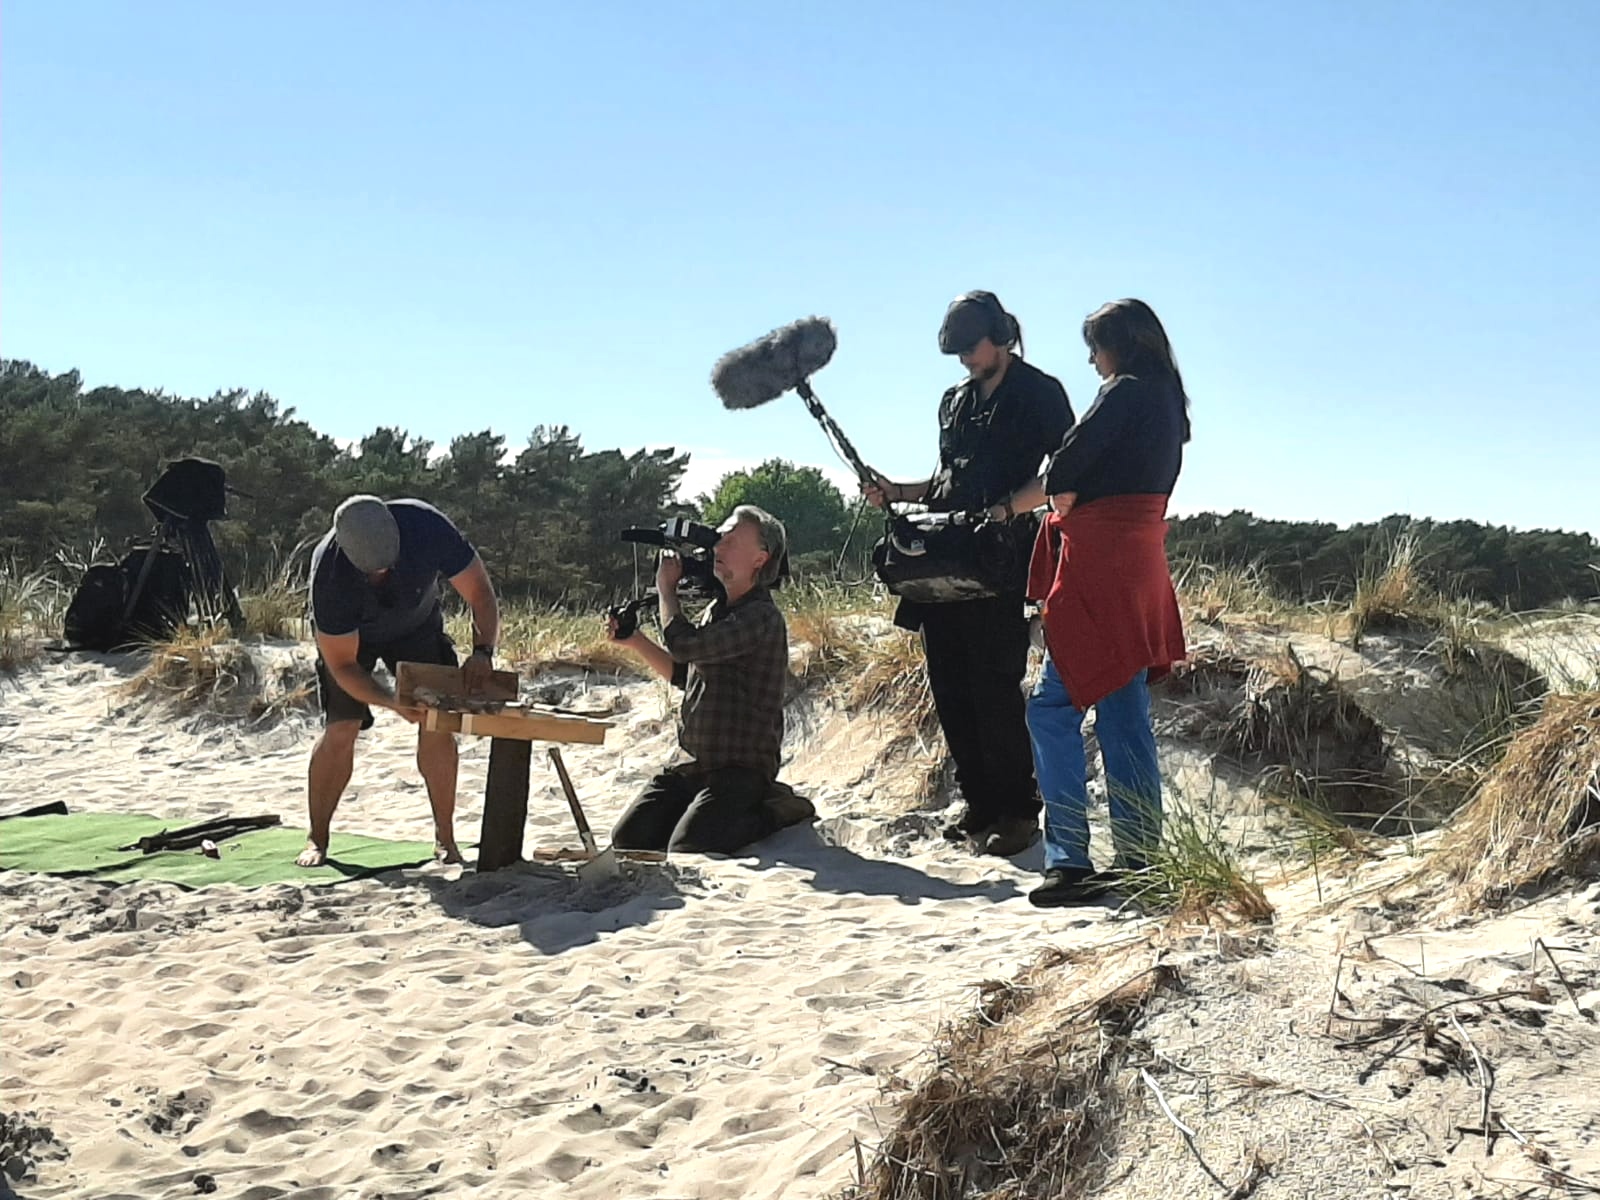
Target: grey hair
column 774, row 540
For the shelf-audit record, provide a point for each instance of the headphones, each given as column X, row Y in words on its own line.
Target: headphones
column 1002, row 328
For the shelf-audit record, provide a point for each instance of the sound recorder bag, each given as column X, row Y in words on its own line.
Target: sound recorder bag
column 942, row 558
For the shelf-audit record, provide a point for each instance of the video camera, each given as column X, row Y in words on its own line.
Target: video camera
column 693, row 543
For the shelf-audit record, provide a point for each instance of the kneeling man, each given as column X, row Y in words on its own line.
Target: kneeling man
column 375, row 595
column 713, row 796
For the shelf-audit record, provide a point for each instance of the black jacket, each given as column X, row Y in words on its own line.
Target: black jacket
column 1130, row 442
column 990, row 448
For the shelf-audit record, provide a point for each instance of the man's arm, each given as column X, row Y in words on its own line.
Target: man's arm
column 657, row 659
column 1048, row 421
column 881, row 493
column 339, row 654
column 669, row 573
column 473, row 586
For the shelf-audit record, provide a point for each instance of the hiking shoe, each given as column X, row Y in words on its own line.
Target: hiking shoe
column 1009, row 836
column 787, row 808
column 1066, row 886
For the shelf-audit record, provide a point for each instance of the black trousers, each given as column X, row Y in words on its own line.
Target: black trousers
column 977, row 653
column 698, row 812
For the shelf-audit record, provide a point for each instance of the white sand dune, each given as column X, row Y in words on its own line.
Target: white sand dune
column 713, row 1028
column 708, row 1028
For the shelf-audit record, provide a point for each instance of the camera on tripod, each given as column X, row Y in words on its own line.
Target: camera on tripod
column 690, row 541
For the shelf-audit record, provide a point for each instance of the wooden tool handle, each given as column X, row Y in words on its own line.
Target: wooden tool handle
column 572, row 802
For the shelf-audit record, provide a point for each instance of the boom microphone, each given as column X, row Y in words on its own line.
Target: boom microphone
column 784, row 361
column 770, row 366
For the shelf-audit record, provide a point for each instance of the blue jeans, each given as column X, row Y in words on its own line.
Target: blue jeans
column 1133, row 775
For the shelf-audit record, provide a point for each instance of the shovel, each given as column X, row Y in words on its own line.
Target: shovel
column 601, row 866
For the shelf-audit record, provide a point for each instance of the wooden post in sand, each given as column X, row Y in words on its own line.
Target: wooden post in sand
column 505, row 803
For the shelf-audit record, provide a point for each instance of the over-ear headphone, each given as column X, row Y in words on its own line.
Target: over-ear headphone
column 1000, row 327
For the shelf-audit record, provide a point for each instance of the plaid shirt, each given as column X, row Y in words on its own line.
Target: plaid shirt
column 732, row 668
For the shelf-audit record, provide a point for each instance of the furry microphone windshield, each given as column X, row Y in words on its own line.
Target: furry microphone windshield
column 775, row 364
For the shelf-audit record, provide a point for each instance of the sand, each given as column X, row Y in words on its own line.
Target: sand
column 712, row 1028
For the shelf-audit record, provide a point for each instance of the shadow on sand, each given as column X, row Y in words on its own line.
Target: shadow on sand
column 839, row 869
column 550, row 906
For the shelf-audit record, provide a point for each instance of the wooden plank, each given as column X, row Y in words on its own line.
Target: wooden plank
column 505, row 804
column 521, row 724
column 447, row 681
column 576, row 854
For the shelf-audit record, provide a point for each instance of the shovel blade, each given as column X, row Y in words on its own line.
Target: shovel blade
column 600, row 868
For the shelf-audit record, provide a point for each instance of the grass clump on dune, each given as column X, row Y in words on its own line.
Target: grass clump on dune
column 197, row 666
column 31, row 607
column 202, row 670
column 845, row 642
column 1535, row 817
column 1393, row 594
column 1024, row 1091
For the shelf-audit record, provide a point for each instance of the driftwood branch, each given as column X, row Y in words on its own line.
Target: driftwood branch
column 1485, row 1083
column 1411, row 1024
column 1188, row 1134
column 1571, row 991
column 190, row 836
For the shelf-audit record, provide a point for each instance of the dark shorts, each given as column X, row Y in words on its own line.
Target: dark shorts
column 430, row 644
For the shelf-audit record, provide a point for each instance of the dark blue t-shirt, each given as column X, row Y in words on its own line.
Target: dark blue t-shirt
column 343, row 602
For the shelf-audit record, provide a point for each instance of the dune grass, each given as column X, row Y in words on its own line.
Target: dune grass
column 1536, row 815
column 203, row 670
column 197, row 666
column 1021, row 1098
column 847, row 646
column 1192, row 872
column 31, row 607
column 275, row 609
column 1219, row 595
column 1393, row 594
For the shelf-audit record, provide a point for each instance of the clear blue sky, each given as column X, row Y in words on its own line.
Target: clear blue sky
column 1369, row 227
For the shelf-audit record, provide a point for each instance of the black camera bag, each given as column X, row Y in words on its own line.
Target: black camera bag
column 931, row 559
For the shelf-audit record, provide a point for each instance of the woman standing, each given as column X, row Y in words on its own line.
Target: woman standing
column 1110, row 611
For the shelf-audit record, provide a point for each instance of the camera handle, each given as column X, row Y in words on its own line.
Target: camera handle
column 627, row 615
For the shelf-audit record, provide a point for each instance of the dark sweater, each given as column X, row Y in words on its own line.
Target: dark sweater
column 1130, row 442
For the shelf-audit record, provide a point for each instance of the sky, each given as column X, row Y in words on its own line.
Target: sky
column 1369, row 227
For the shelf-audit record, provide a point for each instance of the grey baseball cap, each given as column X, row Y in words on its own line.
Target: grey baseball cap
column 367, row 533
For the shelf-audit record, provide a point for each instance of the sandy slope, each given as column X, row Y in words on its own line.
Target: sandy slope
column 720, row 1028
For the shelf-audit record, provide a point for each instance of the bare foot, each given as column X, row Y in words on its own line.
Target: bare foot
column 446, row 852
column 312, row 856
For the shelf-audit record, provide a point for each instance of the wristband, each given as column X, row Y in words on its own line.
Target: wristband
column 1011, row 513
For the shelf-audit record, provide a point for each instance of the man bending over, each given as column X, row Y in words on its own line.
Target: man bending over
column 375, row 595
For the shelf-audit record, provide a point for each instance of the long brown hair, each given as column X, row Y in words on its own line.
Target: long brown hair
column 1134, row 335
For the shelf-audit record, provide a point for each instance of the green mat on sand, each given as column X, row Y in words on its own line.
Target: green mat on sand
column 86, row 844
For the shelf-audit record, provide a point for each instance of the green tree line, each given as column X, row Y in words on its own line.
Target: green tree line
column 546, row 515
column 1310, row 560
